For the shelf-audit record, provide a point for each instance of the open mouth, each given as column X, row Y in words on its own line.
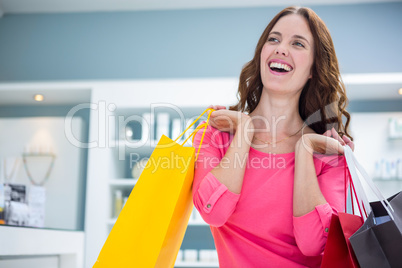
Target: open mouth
column 280, row 67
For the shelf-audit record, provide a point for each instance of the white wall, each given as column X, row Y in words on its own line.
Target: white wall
column 63, row 186
column 20, row 243
column 370, row 131
column 42, row 262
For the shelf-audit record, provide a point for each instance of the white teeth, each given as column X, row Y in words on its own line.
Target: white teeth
column 280, row 66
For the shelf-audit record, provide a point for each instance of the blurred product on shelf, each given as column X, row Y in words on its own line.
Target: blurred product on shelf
column 147, row 126
column 179, row 257
column 128, row 133
column 208, row 255
column 388, row 169
column 16, row 208
column 162, row 125
column 37, row 206
column 177, row 128
column 118, row 203
column 395, row 128
column 2, row 221
column 190, row 255
column 138, row 168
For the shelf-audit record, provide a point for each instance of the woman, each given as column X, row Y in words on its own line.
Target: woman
column 269, row 175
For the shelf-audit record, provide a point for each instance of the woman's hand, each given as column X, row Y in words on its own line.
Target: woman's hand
column 217, row 107
column 344, row 140
column 328, row 143
column 229, row 121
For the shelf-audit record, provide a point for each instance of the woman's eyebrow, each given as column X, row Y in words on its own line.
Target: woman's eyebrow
column 277, row 33
column 301, row 37
column 294, row 36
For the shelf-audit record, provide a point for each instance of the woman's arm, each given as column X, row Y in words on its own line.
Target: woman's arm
column 229, row 171
column 317, row 197
column 306, row 192
column 219, row 173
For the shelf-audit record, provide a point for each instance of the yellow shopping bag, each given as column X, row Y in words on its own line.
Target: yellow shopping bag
column 150, row 228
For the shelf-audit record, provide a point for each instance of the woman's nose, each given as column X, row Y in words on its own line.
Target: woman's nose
column 282, row 50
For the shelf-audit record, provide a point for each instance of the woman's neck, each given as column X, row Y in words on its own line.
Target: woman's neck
column 277, row 113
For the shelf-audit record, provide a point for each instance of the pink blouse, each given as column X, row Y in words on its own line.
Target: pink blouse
column 256, row 228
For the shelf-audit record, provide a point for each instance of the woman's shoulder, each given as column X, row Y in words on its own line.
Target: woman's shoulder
column 308, row 130
column 325, row 161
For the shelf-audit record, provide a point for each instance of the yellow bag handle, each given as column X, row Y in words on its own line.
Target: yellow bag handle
column 210, row 110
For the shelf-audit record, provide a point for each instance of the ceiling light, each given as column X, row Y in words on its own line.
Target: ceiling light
column 400, row 91
column 38, row 97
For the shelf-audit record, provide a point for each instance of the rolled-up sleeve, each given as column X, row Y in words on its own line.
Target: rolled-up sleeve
column 311, row 230
column 212, row 198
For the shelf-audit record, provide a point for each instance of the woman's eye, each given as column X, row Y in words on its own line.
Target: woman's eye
column 298, row 44
column 272, row 39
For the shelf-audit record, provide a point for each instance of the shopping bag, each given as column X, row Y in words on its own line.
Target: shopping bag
column 151, row 226
column 378, row 243
column 338, row 252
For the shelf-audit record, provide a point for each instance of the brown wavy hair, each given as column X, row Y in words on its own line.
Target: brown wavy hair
column 323, row 100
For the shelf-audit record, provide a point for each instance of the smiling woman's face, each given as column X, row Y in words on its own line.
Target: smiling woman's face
column 287, row 56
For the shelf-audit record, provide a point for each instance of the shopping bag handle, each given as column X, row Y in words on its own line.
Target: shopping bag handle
column 204, row 125
column 360, row 194
column 352, row 194
column 346, row 173
column 352, row 191
column 352, row 165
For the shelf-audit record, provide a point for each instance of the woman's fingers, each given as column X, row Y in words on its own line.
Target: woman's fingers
column 221, row 119
column 336, row 136
column 344, row 140
column 217, row 107
column 327, row 133
column 225, row 120
column 348, row 142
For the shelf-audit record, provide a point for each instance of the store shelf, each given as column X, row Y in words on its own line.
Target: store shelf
column 123, row 182
column 190, row 223
column 197, row 223
column 111, row 221
column 196, row 264
column 386, row 180
column 395, row 138
column 141, row 147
